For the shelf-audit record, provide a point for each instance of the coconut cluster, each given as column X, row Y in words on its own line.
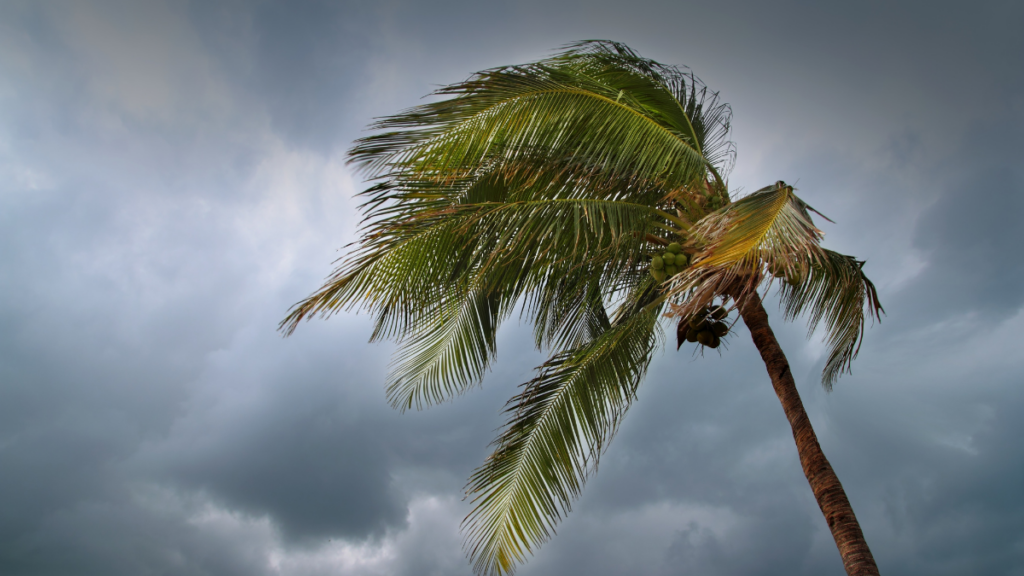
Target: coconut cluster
column 716, row 202
column 668, row 263
column 793, row 276
column 705, row 327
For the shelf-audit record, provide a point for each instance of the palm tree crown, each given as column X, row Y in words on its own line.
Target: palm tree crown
column 553, row 188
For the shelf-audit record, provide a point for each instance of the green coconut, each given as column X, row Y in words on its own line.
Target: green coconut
column 659, row 275
column 705, row 337
column 675, row 248
column 671, row 270
column 669, row 258
column 681, row 260
column 720, row 329
column 719, row 312
column 658, row 263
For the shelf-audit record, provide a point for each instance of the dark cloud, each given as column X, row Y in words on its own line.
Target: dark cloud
column 971, row 232
column 302, row 61
column 171, row 180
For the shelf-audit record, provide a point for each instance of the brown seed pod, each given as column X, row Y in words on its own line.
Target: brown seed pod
column 698, row 322
column 682, row 333
column 720, row 329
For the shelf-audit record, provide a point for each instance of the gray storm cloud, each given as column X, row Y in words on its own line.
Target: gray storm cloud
column 172, row 179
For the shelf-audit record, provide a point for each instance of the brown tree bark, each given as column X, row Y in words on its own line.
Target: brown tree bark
column 824, row 483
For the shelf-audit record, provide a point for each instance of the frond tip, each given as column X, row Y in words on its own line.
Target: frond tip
column 836, row 291
column 558, row 425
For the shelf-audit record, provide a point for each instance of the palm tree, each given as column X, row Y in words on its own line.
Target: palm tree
column 555, row 188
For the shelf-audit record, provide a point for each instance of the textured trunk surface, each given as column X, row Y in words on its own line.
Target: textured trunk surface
column 824, row 483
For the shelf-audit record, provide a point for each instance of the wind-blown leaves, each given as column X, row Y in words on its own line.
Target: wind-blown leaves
column 621, row 120
column 491, row 254
column 557, row 428
column 837, row 292
column 442, row 358
column 772, row 231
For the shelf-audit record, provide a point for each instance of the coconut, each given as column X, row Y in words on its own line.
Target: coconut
column 691, row 334
column 657, row 263
column 715, row 341
column 705, row 337
column 675, row 248
column 671, row 270
column 681, row 260
column 719, row 312
column 720, row 329
column 659, row 275
column 698, row 322
column 669, row 258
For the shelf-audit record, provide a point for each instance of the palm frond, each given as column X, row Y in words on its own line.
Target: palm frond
column 446, row 280
column 770, row 226
column 693, row 109
column 442, row 358
column 557, row 427
column 611, row 116
column 771, row 234
column 837, row 292
column 568, row 311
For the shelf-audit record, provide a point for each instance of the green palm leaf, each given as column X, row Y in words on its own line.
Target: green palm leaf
column 492, row 253
column 442, row 358
column 837, row 292
column 580, row 106
column 557, row 428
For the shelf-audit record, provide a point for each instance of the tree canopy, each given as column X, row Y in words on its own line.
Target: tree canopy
column 548, row 188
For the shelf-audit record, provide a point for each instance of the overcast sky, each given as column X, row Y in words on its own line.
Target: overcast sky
column 172, row 179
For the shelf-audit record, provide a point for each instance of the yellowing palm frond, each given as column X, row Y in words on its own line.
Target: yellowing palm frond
column 770, row 233
column 732, row 245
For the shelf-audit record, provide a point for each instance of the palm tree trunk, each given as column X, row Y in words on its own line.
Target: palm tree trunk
column 824, row 483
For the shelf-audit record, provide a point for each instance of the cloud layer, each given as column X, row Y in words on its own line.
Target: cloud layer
column 172, row 179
